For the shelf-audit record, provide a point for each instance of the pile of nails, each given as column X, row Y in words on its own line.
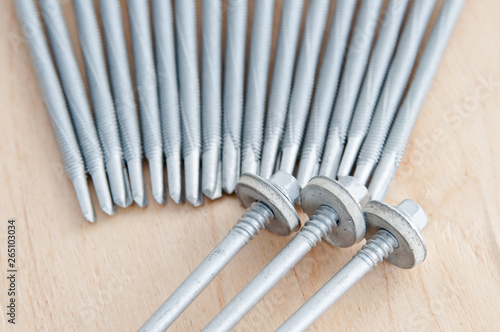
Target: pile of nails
column 347, row 115
column 345, row 112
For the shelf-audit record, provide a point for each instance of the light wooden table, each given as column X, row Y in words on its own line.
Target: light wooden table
column 111, row 276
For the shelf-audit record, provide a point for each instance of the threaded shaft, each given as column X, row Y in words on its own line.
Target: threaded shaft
column 377, row 248
column 255, row 218
column 317, row 227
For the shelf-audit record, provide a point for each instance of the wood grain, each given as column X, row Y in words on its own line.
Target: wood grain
column 112, row 275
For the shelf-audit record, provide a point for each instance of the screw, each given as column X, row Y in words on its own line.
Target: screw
column 269, row 205
column 255, row 102
column 281, row 84
column 324, row 96
column 393, row 234
column 394, row 87
column 303, row 84
column 413, row 102
column 352, row 78
column 147, row 93
column 76, row 98
column 56, row 104
column 123, row 94
column 163, row 23
column 234, row 85
column 211, row 97
column 100, row 91
column 189, row 92
column 335, row 210
column 374, row 79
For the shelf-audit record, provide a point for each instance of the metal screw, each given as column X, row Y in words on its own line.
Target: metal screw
column 269, row 205
column 189, row 92
column 147, row 92
column 336, row 215
column 374, row 79
column 211, row 97
column 123, row 94
column 166, row 69
column 234, row 84
column 76, row 97
column 412, row 104
column 394, row 87
column 303, row 84
column 352, row 78
column 255, row 102
column 394, row 235
column 102, row 100
column 56, row 104
column 281, row 84
column 326, row 90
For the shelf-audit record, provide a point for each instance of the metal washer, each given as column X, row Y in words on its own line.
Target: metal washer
column 251, row 188
column 411, row 249
column 321, row 191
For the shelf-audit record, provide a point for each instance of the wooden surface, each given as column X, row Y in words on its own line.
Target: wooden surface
column 111, row 276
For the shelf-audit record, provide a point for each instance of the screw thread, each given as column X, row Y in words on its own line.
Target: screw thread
column 255, row 218
column 354, row 69
column 377, row 248
column 258, row 67
column 396, row 81
column 188, row 74
column 147, row 93
column 319, row 225
column 329, row 77
column 168, row 93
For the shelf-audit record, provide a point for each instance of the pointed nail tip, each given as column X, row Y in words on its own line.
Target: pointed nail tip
column 90, row 216
column 161, row 199
column 195, row 201
column 109, row 210
column 141, row 201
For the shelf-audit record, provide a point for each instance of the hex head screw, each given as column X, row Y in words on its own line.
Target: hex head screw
column 394, row 87
column 281, row 83
column 147, row 93
column 256, row 89
column 336, row 215
column 412, row 104
column 326, row 88
column 233, row 98
column 102, row 100
column 74, row 90
column 56, row 104
column 353, row 73
column 123, row 96
column 269, row 205
column 394, row 234
column 373, row 82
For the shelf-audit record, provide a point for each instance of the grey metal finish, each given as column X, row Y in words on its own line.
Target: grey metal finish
column 56, row 105
column 405, row 222
column 256, row 89
column 282, row 190
column 281, row 84
column 102, row 99
column 412, row 105
column 211, row 96
column 123, row 95
column 76, row 99
column 326, row 90
column 335, row 210
column 303, row 84
column 147, row 93
column 374, row 79
column 394, row 87
column 233, row 98
column 354, row 69
column 189, row 96
column 168, row 92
